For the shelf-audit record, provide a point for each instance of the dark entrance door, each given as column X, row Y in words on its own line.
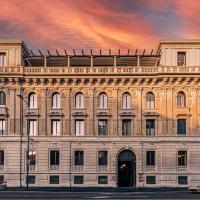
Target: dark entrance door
column 126, row 169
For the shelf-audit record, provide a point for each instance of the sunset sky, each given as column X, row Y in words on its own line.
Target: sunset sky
column 95, row 24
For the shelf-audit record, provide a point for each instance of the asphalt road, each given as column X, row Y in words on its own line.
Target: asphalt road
column 40, row 195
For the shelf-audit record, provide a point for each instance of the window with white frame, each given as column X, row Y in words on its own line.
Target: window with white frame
column 2, row 126
column 56, row 100
column 32, row 100
column 126, row 101
column 55, row 127
column 2, row 59
column 79, row 101
column 103, row 101
column 32, row 127
column 181, row 99
column 150, row 100
column 79, row 127
column 2, row 98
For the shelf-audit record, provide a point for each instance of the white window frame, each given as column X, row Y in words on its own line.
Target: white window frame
column 79, row 127
column 2, row 59
column 55, row 127
column 2, row 126
column 103, row 101
column 32, row 101
column 150, row 103
column 32, row 127
column 126, row 101
column 56, row 100
column 79, row 101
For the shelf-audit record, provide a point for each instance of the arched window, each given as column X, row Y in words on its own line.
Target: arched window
column 2, row 98
column 126, row 101
column 32, row 100
column 150, row 100
column 103, row 100
column 79, row 100
column 181, row 99
column 56, row 100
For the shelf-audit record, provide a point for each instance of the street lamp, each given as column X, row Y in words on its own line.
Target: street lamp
column 28, row 141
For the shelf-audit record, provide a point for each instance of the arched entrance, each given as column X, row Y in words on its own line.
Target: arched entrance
column 126, row 169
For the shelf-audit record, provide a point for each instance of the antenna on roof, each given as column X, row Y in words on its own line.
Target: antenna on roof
column 151, row 51
column 128, row 52
column 49, row 52
column 83, row 52
column 32, row 53
column 100, row 52
column 143, row 52
column 40, row 53
column 136, row 52
column 57, row 52
column 74, row 51
column 91, row 52
column 109, row 52
column 119, row 52
column 65, row 52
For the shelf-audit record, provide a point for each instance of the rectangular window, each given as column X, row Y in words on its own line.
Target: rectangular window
column 150, row 179
column 181, row 126
column 126, row 127
column 54, row 180
column 182, row 158
column 55, row 127
column 78, row 179
column 32, row 158
column 30, row 179
column 2, row 126
column 181, row 58
column 80, row 126
column 150, row 157
column 1, row 179
column 182, row 180
column 2, row 59
column 102, row 180
column 103, row 158
column 150, row 127
column 103, row 127
column 54, row 157
column 32, row 127
column 78, row 158
column 1, row 157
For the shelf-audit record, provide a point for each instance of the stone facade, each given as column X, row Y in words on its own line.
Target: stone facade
column 165, row 80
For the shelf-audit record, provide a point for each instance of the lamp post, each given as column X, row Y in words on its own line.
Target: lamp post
column 28, row 141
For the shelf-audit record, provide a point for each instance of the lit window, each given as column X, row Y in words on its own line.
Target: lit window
column 79, row 127
column 32, row 127
column 103, row 101
column 126, row 101
column 56, row 100
column 103, row 127
column 78, row 158
column 102, row 158
column 182, row 158
column 181, row 100
column 150, row 157
column 150, row 101
column 150, row 127
column 79, row 101
column 2, row 98
column 32, row 100
column 181, row 58
column 126, row 127
column 181, row 126
column 2, row 126
column 55, row 127
column 2, row 59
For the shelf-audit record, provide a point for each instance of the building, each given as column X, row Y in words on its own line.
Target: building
column 100, row 120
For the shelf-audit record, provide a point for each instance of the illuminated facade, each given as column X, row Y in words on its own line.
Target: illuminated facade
column 100, row 120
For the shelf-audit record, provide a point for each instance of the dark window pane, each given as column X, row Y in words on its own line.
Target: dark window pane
column 183, row 180
column 182, row 158
column 79, row 158
column 150, row 127
column 126, row 127
column 30, row 179
column 54, row 179
column 1, row 179
column 102, row 180
column 150, row 179
column 103, row 157
column 150, row 157
column 1, row 157
column 54, row 157
column 2, row 98
column 78, row 179
column 181, row 126
column 103, row 127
